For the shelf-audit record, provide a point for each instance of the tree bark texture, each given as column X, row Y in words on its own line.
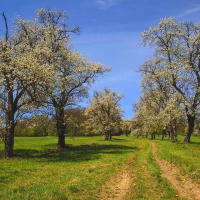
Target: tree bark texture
column 61, row 127
column 9, row 135
column 190, row 120
column 9, row 141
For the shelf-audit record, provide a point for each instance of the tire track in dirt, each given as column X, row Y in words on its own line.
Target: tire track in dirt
column 183, row 184
column 117, row 186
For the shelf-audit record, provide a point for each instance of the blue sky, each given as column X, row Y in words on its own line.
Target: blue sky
column 110, row 34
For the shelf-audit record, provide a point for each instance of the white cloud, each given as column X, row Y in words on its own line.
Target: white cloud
column 106, row 3
column 190, row 11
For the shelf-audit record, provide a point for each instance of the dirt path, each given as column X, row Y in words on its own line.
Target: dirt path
column 117, row 187
column 183, row 184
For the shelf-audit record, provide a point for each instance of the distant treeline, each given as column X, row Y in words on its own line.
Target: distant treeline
column 36, row 126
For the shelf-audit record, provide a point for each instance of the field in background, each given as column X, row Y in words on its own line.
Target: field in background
column 40, row 171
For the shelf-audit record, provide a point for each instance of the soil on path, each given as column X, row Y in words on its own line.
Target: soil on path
column 183, row 184
column 116, row 187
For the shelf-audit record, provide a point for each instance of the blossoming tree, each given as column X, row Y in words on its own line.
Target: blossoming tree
column 72, row 73
column 177, row 48
column 159, row 103
column 104, row 113
column 21, row 67
column 38, row 68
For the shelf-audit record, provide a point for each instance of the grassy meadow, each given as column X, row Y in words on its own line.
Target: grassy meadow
column 40, row 171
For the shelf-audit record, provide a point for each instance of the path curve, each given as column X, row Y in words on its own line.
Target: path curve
column 184, row 185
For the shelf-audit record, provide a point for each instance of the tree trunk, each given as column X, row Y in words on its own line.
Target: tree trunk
column 153, row 136
column 173, row 133
column 106, row 135
column 9, row 142
column 61, row 128
column 110, row 135
column 174, row 129
column 61, row 141
column 9, row 136
column 164, row 133
column 190, row 120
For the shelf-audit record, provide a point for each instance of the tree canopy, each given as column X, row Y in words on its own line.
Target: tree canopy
column 39, row 68
column 173, row 75
column 104, row 113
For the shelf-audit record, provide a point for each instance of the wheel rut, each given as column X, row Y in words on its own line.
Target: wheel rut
column 117, row 186
column 183, row 184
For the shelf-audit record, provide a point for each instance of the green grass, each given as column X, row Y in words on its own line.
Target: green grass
column 39, row 171
column 148, row 183
column 185, row 156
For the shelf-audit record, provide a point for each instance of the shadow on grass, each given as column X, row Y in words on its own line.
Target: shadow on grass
column 194, row 140
column 79, row 153
column 117, row 140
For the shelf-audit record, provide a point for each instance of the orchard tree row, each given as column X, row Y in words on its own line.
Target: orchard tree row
column 101, row 117
column 171, row 79
column 40, row 73
column 39, row 70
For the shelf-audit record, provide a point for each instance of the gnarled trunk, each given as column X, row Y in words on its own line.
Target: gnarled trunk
column 190, row 120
